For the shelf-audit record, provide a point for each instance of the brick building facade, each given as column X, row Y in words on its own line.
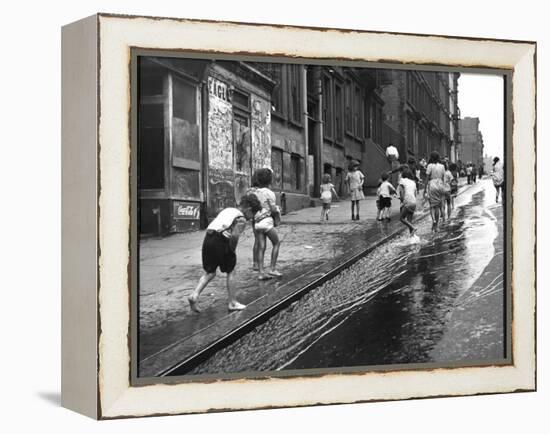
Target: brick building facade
column 204, row 126
column 471, row 141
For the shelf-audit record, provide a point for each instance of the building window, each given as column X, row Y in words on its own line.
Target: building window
column 241, row 99
column 151, row 146
column 366, row 122
column 295, row 103
column 347, row 107
column 338, row 112
column 276, row 73
column 296, row 172
column 357, row 112
column 327, row 107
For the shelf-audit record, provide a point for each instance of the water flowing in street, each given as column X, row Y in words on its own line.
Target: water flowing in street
column 440, row 300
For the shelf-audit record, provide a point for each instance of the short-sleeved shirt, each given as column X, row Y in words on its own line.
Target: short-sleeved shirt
column 385, row 189
column 225, row 220
column 435, row 171
column 268, row 200
column 409, row 191
column 355, row 179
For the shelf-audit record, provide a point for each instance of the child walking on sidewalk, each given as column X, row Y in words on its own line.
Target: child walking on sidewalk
column 220, row 245
column 355, row 180
column 385, row 192
column 327, row 190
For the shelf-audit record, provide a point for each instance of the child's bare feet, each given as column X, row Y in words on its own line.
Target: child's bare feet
column 235, row 305
column 193, row 304
column 275, row 273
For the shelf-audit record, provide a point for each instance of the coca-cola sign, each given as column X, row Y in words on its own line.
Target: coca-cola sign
column 186, row 210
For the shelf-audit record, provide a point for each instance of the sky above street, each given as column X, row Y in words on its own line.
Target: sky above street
column 481, row 96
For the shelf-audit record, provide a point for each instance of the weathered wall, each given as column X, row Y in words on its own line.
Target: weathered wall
column 221, row 181
column 261, row 132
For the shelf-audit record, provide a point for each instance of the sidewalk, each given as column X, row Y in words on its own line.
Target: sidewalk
column 171, row 267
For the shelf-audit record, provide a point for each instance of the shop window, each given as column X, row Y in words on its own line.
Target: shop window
column 151, row 146
column 151, row 84
column 184, row 100
column 241, row 99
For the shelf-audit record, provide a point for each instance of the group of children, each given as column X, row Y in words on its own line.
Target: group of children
column 259, row 205
column 222, row 236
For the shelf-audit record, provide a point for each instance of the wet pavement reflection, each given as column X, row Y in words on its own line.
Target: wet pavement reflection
column 439, row 300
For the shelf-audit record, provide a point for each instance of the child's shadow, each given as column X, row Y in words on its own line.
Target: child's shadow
column 53, row 398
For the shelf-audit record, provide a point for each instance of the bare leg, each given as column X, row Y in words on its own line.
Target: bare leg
column 255, row 253
column 274, row 238
column 233, row 304
column 323, row 212
column 203, row 281
column 261, row 253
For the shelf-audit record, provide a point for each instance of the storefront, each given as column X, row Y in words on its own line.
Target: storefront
column 203, row 128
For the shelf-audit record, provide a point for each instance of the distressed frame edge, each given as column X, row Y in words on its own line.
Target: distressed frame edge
column 80, row 181
column 112, row 411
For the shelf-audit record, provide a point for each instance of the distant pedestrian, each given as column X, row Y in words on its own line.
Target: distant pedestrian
column 265, row 222
column 220, row 245
column 435, row 190
column 448, row 179
column 407, row 194
column 474, row 173
column 327, row 192
column 497, row 176
column 469, row 172
column 355, row 180
column 454, row 185
column 385, row 192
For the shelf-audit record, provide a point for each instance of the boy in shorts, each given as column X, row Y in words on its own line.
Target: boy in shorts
column 407, row 194
column 219, row 246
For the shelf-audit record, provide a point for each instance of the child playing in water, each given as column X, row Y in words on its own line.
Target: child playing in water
column 385, row 192
column 219, row 247
column 264, row 224
column 327, row 190
column 407, row 194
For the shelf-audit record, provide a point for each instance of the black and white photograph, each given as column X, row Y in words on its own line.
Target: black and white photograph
column 297, row 217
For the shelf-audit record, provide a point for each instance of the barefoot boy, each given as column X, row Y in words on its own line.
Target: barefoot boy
column 407, row 194
column 219, row 246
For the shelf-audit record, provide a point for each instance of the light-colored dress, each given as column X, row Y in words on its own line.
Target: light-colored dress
column 437, row 190
column 355, row 181
column 498, row 174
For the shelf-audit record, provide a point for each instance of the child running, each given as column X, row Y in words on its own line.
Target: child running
column 407, row 195
column 327, row 190
column 355, row 180
column 264, row 224
column 451, row 176
column 385, row 192
column 219, row 248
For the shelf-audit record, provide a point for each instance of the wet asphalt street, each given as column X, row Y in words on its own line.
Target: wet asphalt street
column 440, row 300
